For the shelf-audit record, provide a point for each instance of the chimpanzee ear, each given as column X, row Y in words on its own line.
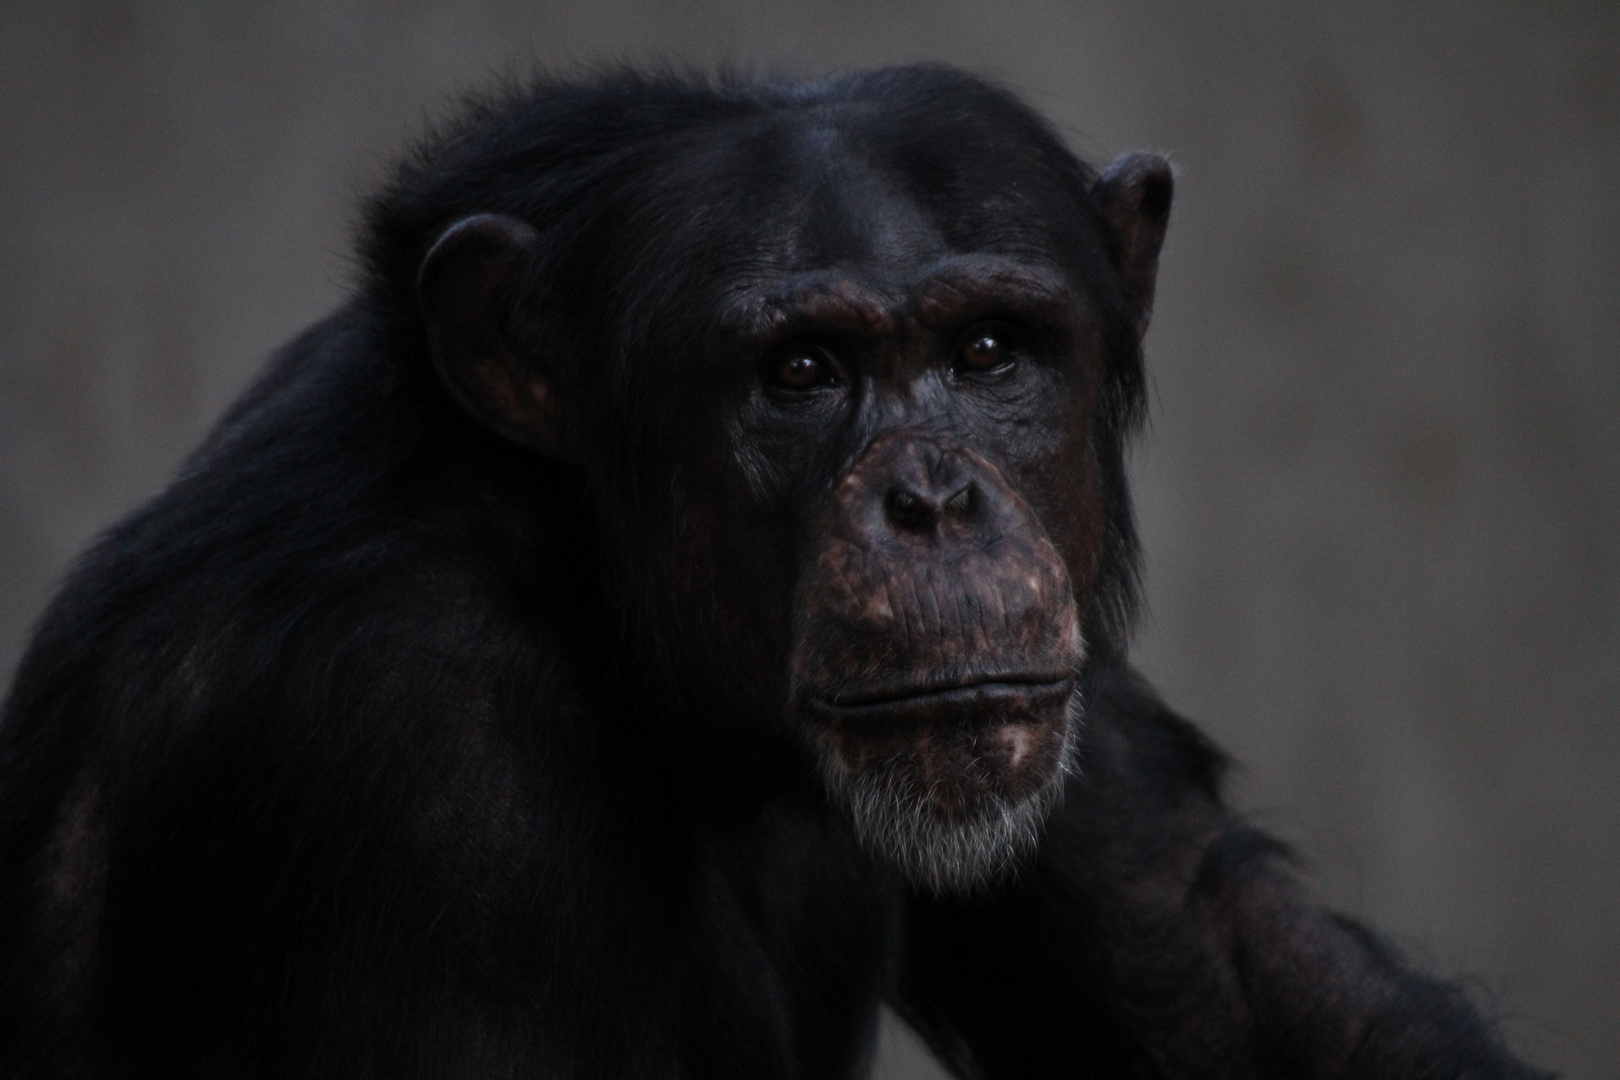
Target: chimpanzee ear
column 1134, row 194
column 469, row 286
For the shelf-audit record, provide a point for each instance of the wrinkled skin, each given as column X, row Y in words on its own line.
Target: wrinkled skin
column 936, row 615
column 932, row 629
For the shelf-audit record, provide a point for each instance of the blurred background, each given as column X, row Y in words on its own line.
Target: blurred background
column 1380, row 492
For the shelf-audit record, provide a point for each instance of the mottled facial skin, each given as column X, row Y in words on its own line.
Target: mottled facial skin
column 935, row 656
column 912, row 442
column 862, row 417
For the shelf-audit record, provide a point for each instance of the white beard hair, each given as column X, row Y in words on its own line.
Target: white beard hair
column 894, row 821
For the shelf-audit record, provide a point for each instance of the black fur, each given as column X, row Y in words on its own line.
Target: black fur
column 367, row 750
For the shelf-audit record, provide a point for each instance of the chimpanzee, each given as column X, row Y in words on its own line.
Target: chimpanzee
column 677, row 604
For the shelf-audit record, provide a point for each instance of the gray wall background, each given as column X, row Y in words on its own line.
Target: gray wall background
column 1381, row 489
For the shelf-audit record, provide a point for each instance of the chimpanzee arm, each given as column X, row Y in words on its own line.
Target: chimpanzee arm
column 1157, row 935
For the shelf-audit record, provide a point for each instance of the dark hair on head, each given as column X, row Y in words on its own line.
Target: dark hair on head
column 569, row 156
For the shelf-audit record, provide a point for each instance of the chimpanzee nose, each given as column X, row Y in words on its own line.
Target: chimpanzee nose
column 921, row 508
column 929, row 486
column 916, row 488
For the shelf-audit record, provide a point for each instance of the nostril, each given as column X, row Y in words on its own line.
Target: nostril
column 910, row 511
column 961, row 504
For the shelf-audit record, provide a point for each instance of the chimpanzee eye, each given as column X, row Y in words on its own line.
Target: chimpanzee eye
column 987, row 347
column 802, row 369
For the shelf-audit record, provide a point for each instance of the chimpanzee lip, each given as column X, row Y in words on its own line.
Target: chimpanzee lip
column 963, row 689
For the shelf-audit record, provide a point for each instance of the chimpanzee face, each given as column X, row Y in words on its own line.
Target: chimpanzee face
column 886, row 507
column 864, row 387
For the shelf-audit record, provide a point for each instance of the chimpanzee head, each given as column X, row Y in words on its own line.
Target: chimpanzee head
column 848, row 366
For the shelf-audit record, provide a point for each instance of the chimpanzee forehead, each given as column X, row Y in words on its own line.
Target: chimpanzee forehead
column 829, row 189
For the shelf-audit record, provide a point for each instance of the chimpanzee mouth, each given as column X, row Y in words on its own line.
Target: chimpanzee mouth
column 949, row 781
column 970, row 692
